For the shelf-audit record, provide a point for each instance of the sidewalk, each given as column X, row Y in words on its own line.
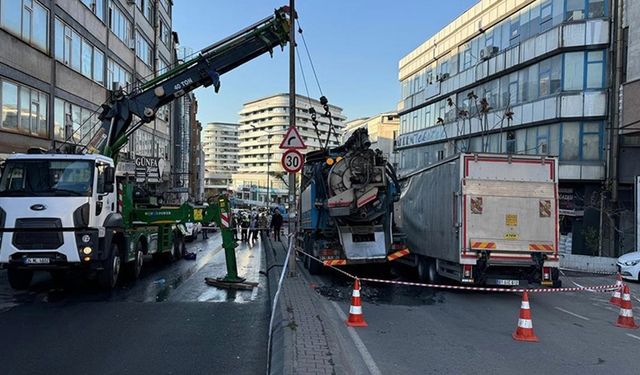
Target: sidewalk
column 301, row 344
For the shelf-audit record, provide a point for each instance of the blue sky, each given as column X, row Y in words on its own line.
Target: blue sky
column 355, row 46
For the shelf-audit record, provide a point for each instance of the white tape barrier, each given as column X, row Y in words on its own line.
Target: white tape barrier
column 599, row 288
column 274, row 305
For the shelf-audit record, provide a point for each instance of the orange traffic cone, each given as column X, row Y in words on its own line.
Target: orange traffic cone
column 615, row 297
column 356, row 319
column 524, row 331
column 625, row 318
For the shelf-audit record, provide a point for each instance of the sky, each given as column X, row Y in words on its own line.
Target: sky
column 355, row 47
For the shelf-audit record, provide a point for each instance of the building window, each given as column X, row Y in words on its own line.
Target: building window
column 573, row 71
column 146, row 8
column 574, row 10
column 96, row 6
column 595, row 70
column 511, row 142
column 28, row 20
column 143, row 49
column 78, row 53
column 117, row 74
column 165, row 33
column 570, row 148
column 119, row 24
column 24, row 109
column 597, row 8
column 591, row 134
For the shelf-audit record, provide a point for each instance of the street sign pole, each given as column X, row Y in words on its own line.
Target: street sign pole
column 292, row 123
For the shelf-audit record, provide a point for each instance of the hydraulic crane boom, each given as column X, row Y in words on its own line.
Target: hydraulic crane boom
column 204, row 70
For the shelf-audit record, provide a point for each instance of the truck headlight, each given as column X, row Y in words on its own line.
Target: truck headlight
column 86, row 238
column 87, row 250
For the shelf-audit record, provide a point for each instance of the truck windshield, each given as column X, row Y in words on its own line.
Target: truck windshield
column 46, row 178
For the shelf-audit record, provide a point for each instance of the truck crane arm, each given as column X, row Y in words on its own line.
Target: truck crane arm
column 116, row 115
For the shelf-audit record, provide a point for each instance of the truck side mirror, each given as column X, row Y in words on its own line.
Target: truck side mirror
column 109, row 179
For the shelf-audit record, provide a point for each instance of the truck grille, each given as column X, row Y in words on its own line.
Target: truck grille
column 38, row 234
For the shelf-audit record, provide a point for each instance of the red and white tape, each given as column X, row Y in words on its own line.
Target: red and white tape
column 598, row 288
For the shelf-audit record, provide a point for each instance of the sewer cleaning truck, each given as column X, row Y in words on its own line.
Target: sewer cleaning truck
column 346, row 206
column 483, row 219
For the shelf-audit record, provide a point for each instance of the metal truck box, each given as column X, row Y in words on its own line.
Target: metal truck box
column 501, row 205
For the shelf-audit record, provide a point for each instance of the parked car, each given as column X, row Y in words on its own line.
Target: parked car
column 629, row 266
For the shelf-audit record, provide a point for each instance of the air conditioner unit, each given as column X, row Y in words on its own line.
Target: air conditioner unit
column 132, row 43
column 488, row 52
column 442, row 77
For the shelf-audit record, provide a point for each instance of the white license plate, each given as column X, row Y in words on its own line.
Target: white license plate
column 37, row 261
column 508, row 282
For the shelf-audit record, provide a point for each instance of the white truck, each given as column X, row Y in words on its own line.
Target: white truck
column 483, row 219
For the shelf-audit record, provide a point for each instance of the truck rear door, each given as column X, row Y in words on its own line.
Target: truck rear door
column 510, row 209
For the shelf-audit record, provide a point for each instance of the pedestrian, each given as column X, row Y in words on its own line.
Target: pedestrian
column 244, row 228
column 276, row 224
column 205, row 228
column 263, row 224
column 234, row 227
column 253, row 229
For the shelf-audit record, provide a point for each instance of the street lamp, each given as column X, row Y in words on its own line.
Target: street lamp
column 268, row 162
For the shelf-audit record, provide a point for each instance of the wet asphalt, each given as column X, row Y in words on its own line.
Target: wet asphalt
column 167, row 322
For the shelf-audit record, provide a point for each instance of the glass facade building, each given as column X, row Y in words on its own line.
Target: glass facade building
column 520, row 77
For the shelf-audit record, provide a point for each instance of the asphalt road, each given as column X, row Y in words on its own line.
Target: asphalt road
column 414, row 330
column 168, row 322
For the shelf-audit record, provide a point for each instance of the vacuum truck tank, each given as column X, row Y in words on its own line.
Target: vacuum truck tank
column 346, row 205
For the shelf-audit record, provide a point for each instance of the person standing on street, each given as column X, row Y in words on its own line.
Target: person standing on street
column 276, row 224
column 253, row 229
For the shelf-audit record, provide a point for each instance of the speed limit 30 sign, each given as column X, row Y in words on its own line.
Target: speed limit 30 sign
column 292, row 161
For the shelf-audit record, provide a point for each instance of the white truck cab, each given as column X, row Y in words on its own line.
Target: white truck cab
column 55, row 210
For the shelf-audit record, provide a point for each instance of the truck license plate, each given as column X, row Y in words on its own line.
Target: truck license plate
column 37, row 261
column 508, row 282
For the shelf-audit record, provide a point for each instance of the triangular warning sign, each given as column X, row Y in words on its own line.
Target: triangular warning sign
column 292, row 139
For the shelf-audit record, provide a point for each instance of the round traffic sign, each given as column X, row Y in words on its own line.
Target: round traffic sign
column 292, row 161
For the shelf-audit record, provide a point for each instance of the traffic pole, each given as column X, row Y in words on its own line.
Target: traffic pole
column 292, row 123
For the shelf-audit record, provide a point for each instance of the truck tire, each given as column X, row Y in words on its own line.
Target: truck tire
column 432, row 272
column 19, row 279
column 134, row 268
column 315, row 267
column 423, row 266
column 179, row 247
column 555, row 278
column 108, row 276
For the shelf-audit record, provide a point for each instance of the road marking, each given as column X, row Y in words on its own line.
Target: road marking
column 580, row 286
column 634, row 336
column 366, row 356
column 570, row 313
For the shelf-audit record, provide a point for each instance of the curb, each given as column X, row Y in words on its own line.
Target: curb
column 279, row 348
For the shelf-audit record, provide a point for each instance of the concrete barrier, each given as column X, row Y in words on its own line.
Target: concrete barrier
column 587, row 263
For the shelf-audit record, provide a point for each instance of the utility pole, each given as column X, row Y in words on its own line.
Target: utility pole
column 292, row 123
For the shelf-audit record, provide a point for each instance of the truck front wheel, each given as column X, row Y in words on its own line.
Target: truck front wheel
column 19, row 279
column 134, row 268
column 108, row 276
